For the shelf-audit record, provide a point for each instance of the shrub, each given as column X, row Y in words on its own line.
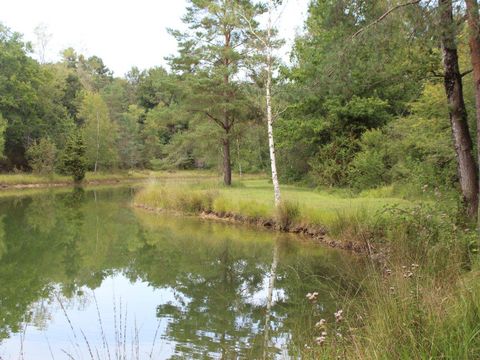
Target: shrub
column 330, row 166
column 41, row 156
column 369, row 168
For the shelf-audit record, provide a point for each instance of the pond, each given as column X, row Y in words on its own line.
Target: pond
column 84, row 275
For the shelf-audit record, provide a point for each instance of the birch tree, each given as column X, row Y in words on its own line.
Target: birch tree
column 267, row 43
column 43, row 39
column 100, row 132
column 268, row 99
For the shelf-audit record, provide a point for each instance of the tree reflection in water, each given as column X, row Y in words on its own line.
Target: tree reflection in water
column 217, row 290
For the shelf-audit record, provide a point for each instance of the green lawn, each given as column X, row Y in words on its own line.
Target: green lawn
column 253, row 197
column 316, row 206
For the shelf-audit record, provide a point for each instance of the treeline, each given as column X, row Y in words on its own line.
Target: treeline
column 363, row 104
column 75, row 110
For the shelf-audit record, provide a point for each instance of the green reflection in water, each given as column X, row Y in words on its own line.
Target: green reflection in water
column 218, row 275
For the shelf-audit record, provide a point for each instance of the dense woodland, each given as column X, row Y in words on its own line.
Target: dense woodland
column 364, row 102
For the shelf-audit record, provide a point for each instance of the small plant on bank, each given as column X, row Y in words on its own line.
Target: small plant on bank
column 287, row 214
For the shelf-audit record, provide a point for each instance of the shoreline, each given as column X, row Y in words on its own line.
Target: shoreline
column 57, row 184
column 316, row 233
column 32, row 181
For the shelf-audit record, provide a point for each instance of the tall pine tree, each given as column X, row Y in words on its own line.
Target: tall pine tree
column 211, row 61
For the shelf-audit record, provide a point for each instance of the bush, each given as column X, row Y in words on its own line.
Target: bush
column 369, row 168
column 330, row 166
column 41, row 156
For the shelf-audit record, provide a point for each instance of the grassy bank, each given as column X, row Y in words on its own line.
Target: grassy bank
column 420, row 298
column 251, row 200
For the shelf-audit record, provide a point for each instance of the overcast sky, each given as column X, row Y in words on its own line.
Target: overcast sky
column 124, row 33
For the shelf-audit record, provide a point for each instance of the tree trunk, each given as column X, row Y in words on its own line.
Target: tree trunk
column 239, row 159
column 458, row 115
column 227, row 166
column 474, row 42
column 271, row 144
column 227, row 124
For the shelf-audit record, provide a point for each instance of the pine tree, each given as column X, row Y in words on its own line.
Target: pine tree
column 212, row 55
column 74, row 161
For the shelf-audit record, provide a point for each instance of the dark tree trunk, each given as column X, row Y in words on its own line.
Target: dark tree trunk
column 458, row 115
column 474, row 41
column 227, row 165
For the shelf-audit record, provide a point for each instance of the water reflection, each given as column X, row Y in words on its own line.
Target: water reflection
column 82, row 272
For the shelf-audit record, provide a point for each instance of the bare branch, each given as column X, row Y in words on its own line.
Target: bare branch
column 414, row 2
column 435, row 74
column 280, row 112
column 218, row 121
column 466, row 72
column 251, row 29
column 330, row 71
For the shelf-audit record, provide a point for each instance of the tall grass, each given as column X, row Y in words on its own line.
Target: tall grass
column 253, row 200
column 287, row 214
column 125, row 346
column 179, row 198
column 422, row 301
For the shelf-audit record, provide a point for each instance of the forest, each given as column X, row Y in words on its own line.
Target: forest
column 367, row 138
column 363, row 104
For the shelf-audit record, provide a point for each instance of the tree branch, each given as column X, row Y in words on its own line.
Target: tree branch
column 414, row 2
column 218, row 121
column 435, row 74
column 466, row 73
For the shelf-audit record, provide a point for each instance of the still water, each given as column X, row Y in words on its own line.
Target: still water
column 84, row 275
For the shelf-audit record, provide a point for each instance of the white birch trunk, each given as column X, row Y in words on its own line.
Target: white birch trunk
column 271, row 143
column 268, row 312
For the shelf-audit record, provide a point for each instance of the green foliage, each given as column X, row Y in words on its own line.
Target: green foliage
column 213, row 55
column 250, row 148
column 42, row 156
column 198, row 147
column 100, row 132
column 161, row 124
column 334, row 105
column 330, row 166
column 414, row 150
column 3, row 128
column 129, row 144
column 73, row 157
column 30, row 98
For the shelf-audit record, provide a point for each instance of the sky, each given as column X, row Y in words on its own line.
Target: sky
column 124, row 33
